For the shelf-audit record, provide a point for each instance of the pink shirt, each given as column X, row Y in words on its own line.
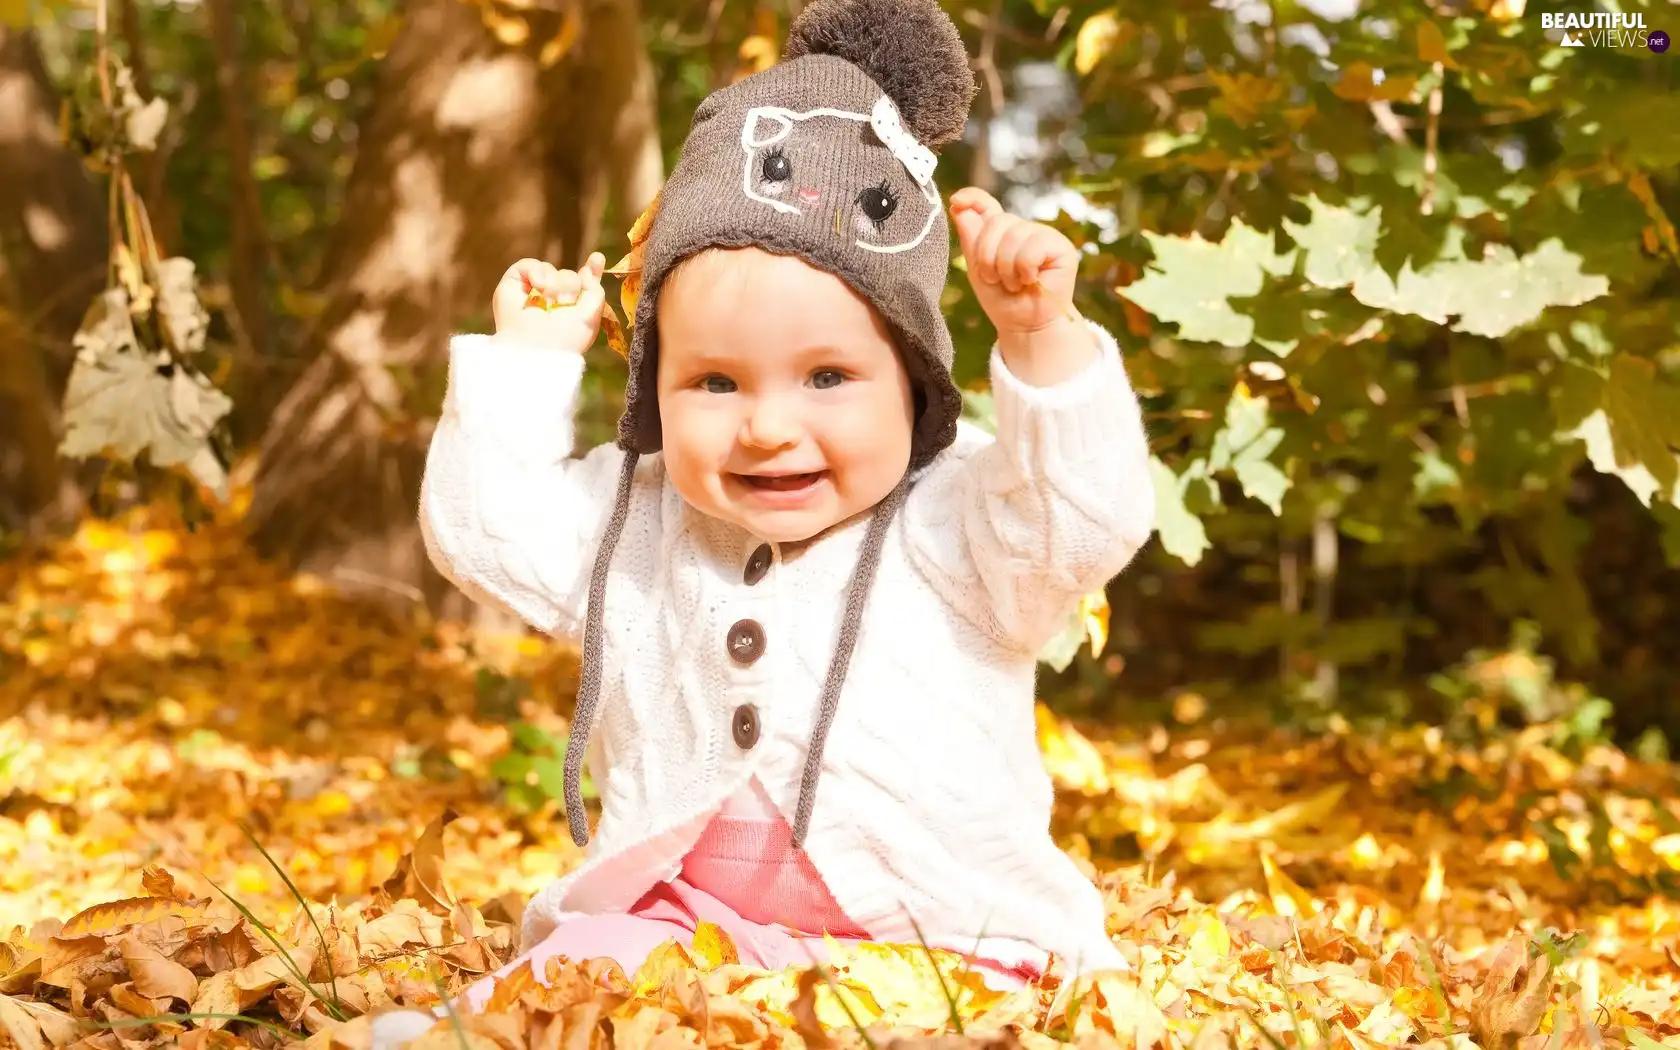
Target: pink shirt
column 746, row 858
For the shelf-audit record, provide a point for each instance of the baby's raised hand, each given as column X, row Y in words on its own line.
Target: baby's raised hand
column 539, row 304
column 1022, row 272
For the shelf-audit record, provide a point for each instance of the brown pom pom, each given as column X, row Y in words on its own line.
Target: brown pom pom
column 909, row 47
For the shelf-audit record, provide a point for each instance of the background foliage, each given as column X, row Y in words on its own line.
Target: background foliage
column 1396, row 280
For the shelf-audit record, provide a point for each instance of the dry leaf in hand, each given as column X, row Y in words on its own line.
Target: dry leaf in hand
column 629, row 268
column 616, row 336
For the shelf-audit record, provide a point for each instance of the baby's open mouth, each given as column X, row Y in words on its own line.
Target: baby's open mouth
column 782, row 482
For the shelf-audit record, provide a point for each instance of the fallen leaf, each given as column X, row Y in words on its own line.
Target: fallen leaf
column 155, row 976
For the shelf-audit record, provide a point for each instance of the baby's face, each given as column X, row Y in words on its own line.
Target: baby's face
column 784, row 405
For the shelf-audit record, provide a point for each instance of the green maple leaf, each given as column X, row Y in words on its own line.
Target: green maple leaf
column 1244, row 445
column 1340, row 243
column 1504, row 292
column 1192, row 280
column 1181, row 532
column 1491, row 296
column 1629, row 420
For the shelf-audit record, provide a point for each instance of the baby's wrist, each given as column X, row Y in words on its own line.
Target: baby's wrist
column 1051, row 353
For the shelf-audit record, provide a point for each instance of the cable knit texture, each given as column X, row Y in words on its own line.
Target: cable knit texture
column 934, row 804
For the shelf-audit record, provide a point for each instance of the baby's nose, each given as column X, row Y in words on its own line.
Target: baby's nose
column 809, row 195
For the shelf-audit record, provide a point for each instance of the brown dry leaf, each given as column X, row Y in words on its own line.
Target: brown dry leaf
column 616, row 336
column 629, row 270
column 1514, row 996
column 419, row 874
column 84, row 960
column 804, row 1011
column 154, row 975
column 126, row 998
column 159, row 883
column 105, row 919
column 35, row 1026
column 470, row 953
column 638, row 1031
column 232, row 991
column 405, row 925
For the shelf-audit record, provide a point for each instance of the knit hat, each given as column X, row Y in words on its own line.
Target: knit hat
column 827, row 156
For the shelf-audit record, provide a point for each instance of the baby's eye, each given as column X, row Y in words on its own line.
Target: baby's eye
column 827, row 379
column 776, row 166
column 718, row 385
column 878, row 202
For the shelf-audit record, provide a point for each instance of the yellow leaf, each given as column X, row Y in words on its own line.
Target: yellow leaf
column 1209, row 939
column 660, row 966
column 899, row 984
column 1072, row 761
column 1432, row 45
column 643, row 225
column 616, row 337
column 1288, row 897
column 1098, row 36
column 1358, row 84
column 713, row 947
column 1093, row 610
column 1387, row 1024
column 1418, row 1004
column 757, row 53
column 103, row 919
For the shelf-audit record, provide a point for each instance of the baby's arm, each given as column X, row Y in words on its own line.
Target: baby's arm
column 1016, row 531
column 507, row 516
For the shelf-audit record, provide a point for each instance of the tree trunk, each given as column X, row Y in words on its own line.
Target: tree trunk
column 52, row 262
column 248, row 250
column 462, row 170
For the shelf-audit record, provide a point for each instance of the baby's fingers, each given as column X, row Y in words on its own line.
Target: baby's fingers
column 566, row 287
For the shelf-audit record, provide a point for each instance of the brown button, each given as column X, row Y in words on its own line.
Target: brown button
column 746, row 642
column 757, row 565
column 745, row 726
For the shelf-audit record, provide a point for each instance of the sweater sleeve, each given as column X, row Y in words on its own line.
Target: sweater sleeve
column 507, row 515
column 1014, row 532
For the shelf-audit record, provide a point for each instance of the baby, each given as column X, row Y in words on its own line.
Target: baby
column 809, row 599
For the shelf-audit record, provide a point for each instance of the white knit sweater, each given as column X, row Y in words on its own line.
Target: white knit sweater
column 933, row 801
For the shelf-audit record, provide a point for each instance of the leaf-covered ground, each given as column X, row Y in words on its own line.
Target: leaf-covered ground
column 166, row 703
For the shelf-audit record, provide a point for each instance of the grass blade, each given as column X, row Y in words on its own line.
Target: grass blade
column 140, row 1022
column 326, row 953
column 291, row 964
column 945, row 989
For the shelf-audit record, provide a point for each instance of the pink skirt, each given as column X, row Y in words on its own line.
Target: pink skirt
column 745, row 876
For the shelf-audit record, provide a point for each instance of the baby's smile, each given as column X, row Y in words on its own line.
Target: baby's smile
column 782, row 490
